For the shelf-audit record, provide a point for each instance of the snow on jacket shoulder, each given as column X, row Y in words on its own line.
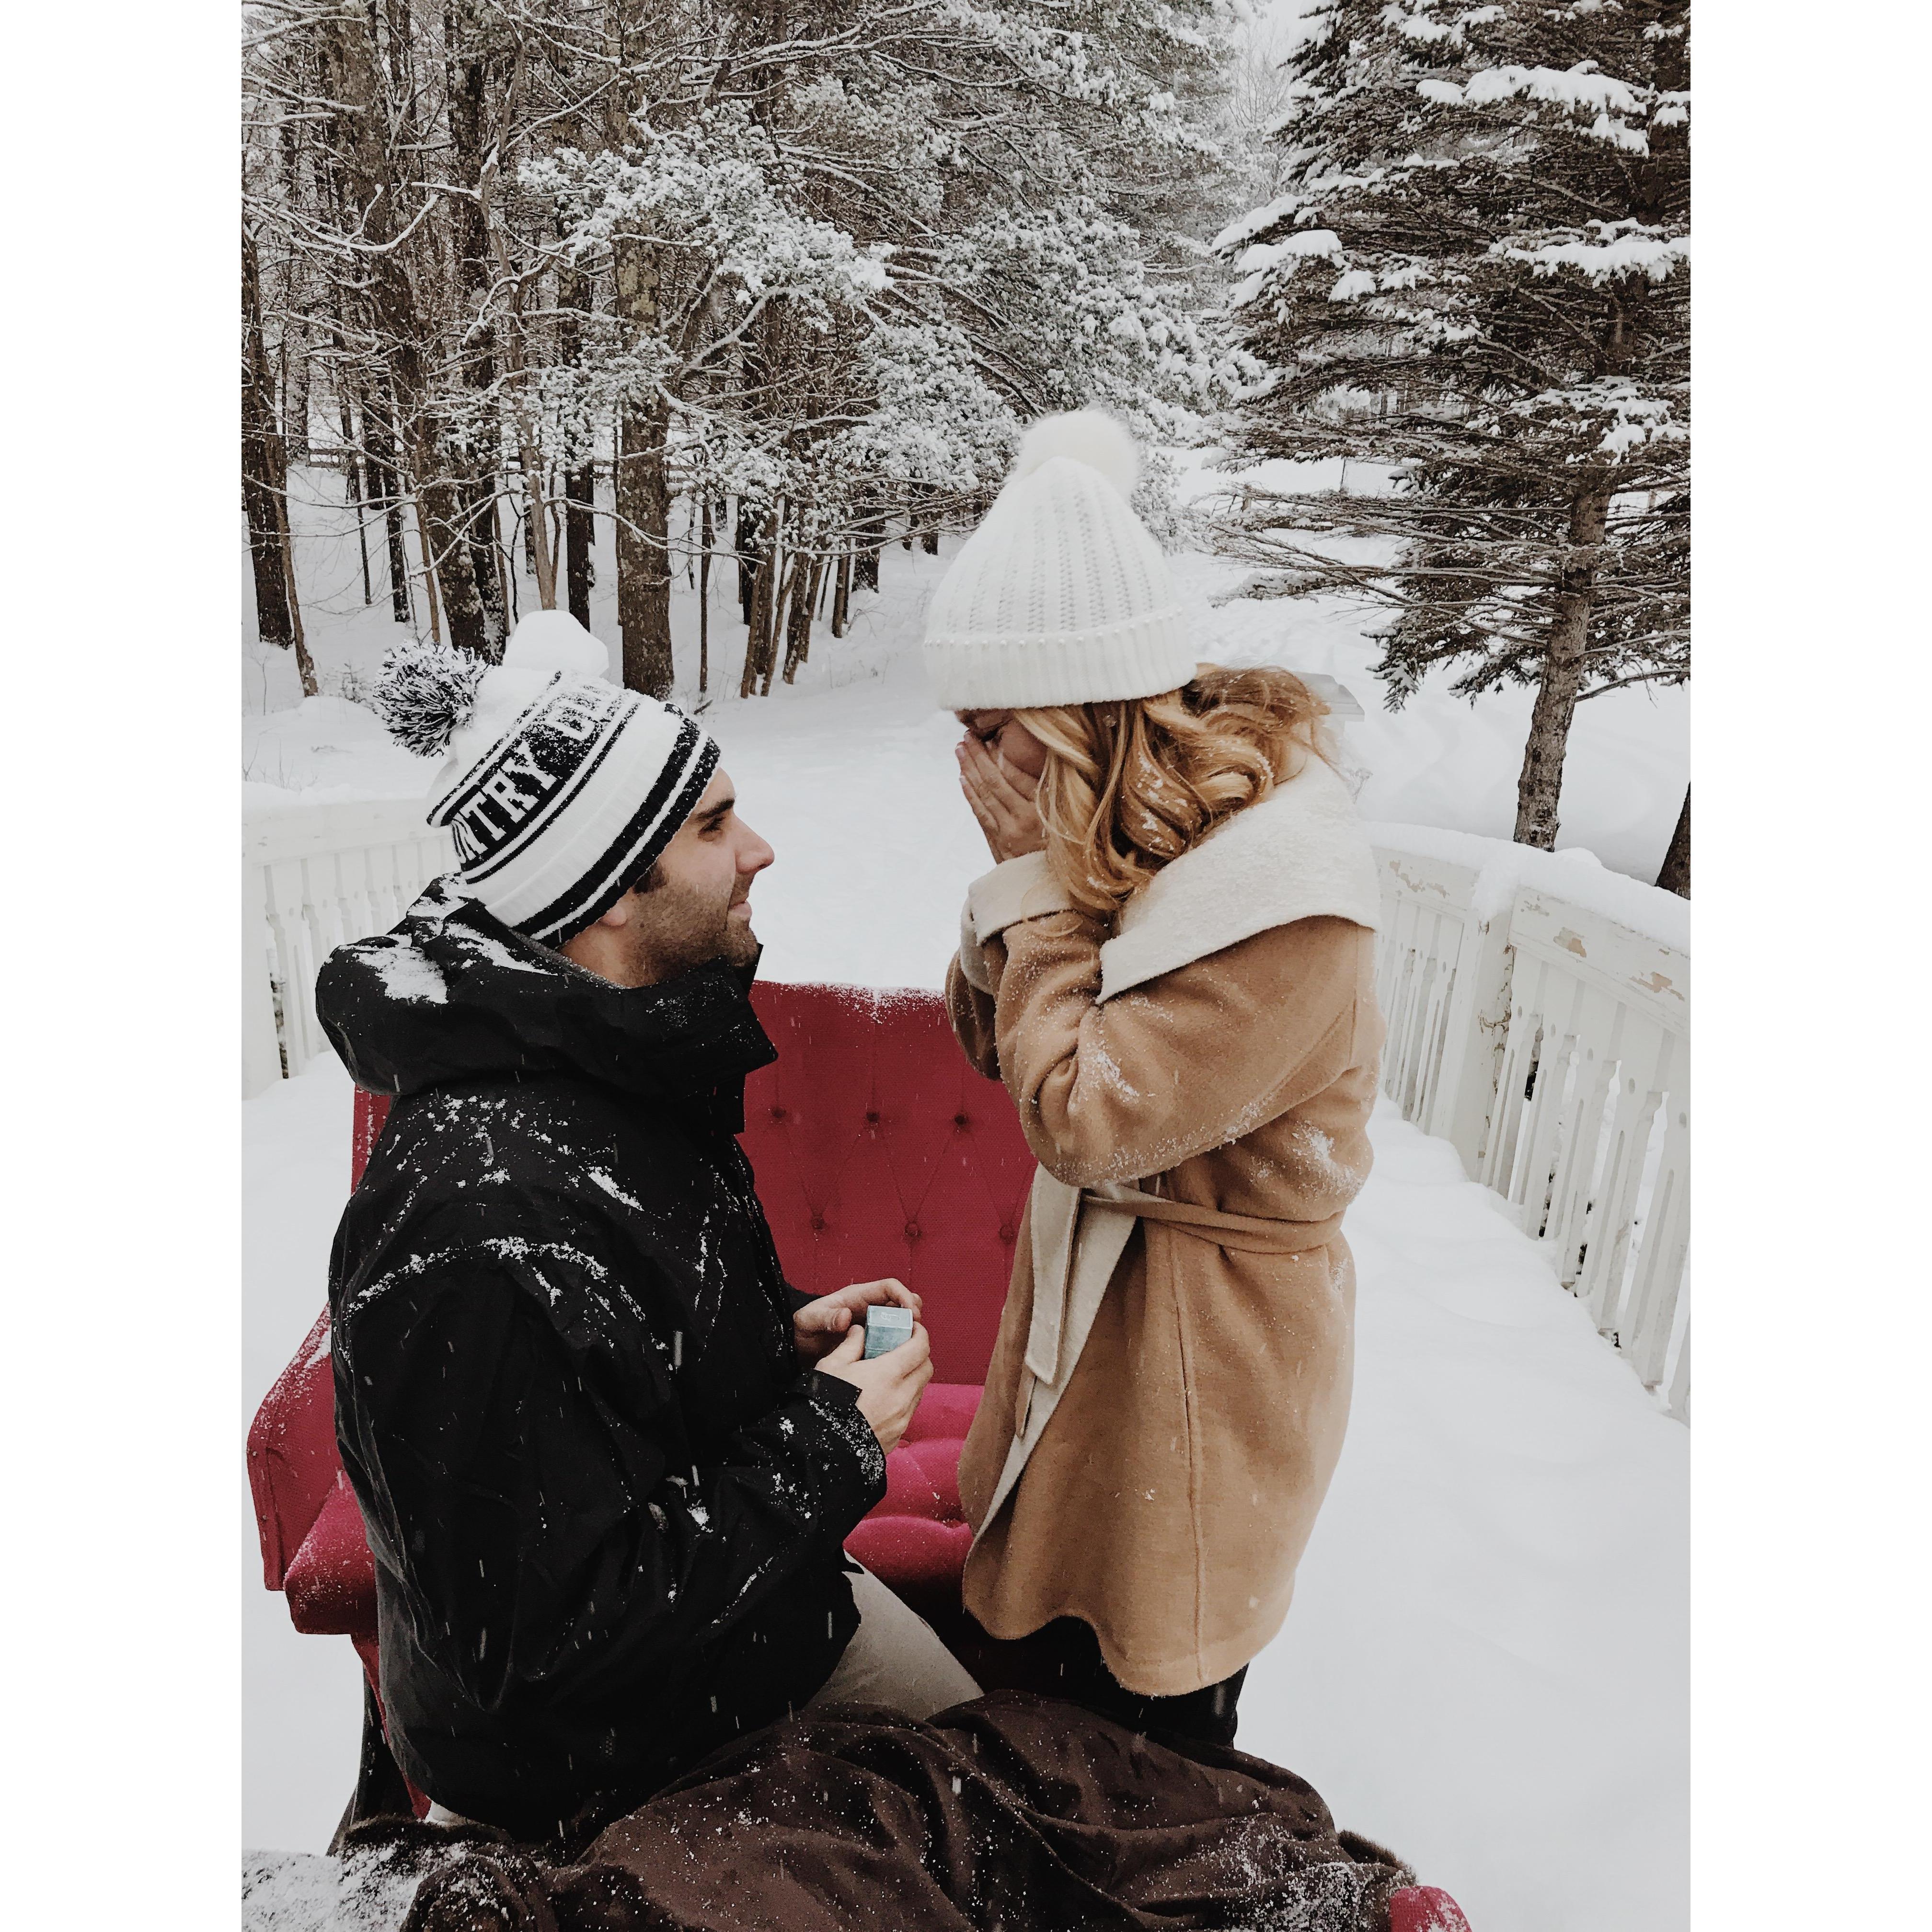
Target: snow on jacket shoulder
column 606, row 1504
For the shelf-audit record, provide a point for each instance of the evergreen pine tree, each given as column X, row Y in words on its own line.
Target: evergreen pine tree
column 1475, row 281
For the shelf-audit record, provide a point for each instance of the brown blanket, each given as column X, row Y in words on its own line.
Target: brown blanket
column 1011, row 1813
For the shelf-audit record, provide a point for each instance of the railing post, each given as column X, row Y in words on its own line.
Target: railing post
column 1472, row 1051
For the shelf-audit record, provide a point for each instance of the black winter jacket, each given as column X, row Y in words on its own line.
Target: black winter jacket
column 605, row 1502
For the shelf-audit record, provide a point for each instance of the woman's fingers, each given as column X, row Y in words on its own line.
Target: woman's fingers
column 1010, row 816
column 969, row 784
column 995, row 789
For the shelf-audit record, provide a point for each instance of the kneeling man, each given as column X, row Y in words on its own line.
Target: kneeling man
column 606, row 1457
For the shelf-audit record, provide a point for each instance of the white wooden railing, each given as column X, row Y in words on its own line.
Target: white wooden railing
column 314, row 877
column 1535, row 1021
column 1546, row 1038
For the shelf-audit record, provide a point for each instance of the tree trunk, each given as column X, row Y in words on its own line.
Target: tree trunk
column 475, row 452
column 798, row 626
column 353, row 80
column 644, row 550
column 304, row 664
column 872, row 540
column 295, row 391
column 579, row 536
column 264, row 474
column 1675, row 875
column 704, row 539
column 640, row 483
column 580, row 486
column 384, row 483
column 352, row 490
column 1539, row 789
column 842, row 596
column 758, row 623
column 752, row 524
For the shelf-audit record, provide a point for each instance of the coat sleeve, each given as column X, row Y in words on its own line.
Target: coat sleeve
column 567, row 1545
column 1121, row 1089
column 972, row 1012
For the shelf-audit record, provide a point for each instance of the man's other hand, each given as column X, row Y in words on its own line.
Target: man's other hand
column 819, row 1326
column 889, row 1386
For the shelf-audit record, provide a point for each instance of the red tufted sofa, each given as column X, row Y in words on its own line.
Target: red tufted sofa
column 878, row 1151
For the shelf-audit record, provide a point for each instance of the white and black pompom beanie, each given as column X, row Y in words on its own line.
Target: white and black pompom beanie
column 1062, row 596
column 561, row 788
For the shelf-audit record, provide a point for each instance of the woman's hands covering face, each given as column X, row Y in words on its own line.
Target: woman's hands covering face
column 1000, row 765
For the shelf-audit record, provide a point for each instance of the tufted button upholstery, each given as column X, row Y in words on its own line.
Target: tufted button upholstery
column 877, row 1151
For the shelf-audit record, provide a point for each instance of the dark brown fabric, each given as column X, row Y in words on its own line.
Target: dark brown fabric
column 1010, row 1813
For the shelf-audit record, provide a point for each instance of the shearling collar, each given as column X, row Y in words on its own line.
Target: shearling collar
column 1300, row 853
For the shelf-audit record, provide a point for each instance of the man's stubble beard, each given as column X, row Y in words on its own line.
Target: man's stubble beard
column 682, row 929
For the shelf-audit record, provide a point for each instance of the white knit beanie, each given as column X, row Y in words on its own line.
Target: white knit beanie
column 561, row 788
column 1061, row 596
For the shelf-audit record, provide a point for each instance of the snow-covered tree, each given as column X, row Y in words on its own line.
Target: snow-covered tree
column 783, row 273
column 1475, row 281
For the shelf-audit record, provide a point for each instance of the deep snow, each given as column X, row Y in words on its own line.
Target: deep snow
column 1485, row 1663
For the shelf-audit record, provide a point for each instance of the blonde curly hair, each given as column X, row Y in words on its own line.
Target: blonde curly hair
column 1131, row 783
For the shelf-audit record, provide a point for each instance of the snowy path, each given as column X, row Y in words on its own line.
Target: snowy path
column 1485, row 1666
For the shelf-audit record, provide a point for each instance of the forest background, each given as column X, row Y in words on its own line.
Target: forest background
column 693, row 295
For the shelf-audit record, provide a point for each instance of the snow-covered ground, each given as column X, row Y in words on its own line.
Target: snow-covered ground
column 1485, row 1665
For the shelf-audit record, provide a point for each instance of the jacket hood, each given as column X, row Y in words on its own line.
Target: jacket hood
column 452, row 993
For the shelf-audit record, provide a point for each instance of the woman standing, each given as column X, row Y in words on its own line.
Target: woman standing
column 1171, row 965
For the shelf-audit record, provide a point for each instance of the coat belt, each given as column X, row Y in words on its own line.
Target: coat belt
column 1059, row 1211
column 1079, row 1235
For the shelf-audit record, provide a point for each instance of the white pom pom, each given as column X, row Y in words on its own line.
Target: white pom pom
column 1089, row 436
column 554, row 640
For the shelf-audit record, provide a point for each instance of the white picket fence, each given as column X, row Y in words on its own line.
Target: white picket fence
column 314, row 877
column 1548, row 1043
column 1545, row 1041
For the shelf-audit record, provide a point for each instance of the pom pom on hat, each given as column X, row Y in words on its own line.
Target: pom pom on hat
column 1091, row 436
column 426, row 693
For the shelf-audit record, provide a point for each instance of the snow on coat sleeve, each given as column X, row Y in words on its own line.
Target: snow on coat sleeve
column 549, row 1532
column 1130, row 1087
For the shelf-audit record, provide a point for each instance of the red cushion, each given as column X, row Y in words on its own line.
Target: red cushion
column 1425, row 1908
column 946, row 1410
column 330, row 1584
column 293, row 1462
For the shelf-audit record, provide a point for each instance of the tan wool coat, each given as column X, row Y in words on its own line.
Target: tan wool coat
column 1189, row 1434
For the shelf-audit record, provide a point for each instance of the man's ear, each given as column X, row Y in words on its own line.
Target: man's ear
column 620, row 915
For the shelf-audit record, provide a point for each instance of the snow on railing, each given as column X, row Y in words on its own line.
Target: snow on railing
column 1538, row 1010
column 315, row 876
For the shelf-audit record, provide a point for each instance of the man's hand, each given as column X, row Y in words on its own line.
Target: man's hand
column 889, row 1386
column 819, row 1326
column 1001, row 795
